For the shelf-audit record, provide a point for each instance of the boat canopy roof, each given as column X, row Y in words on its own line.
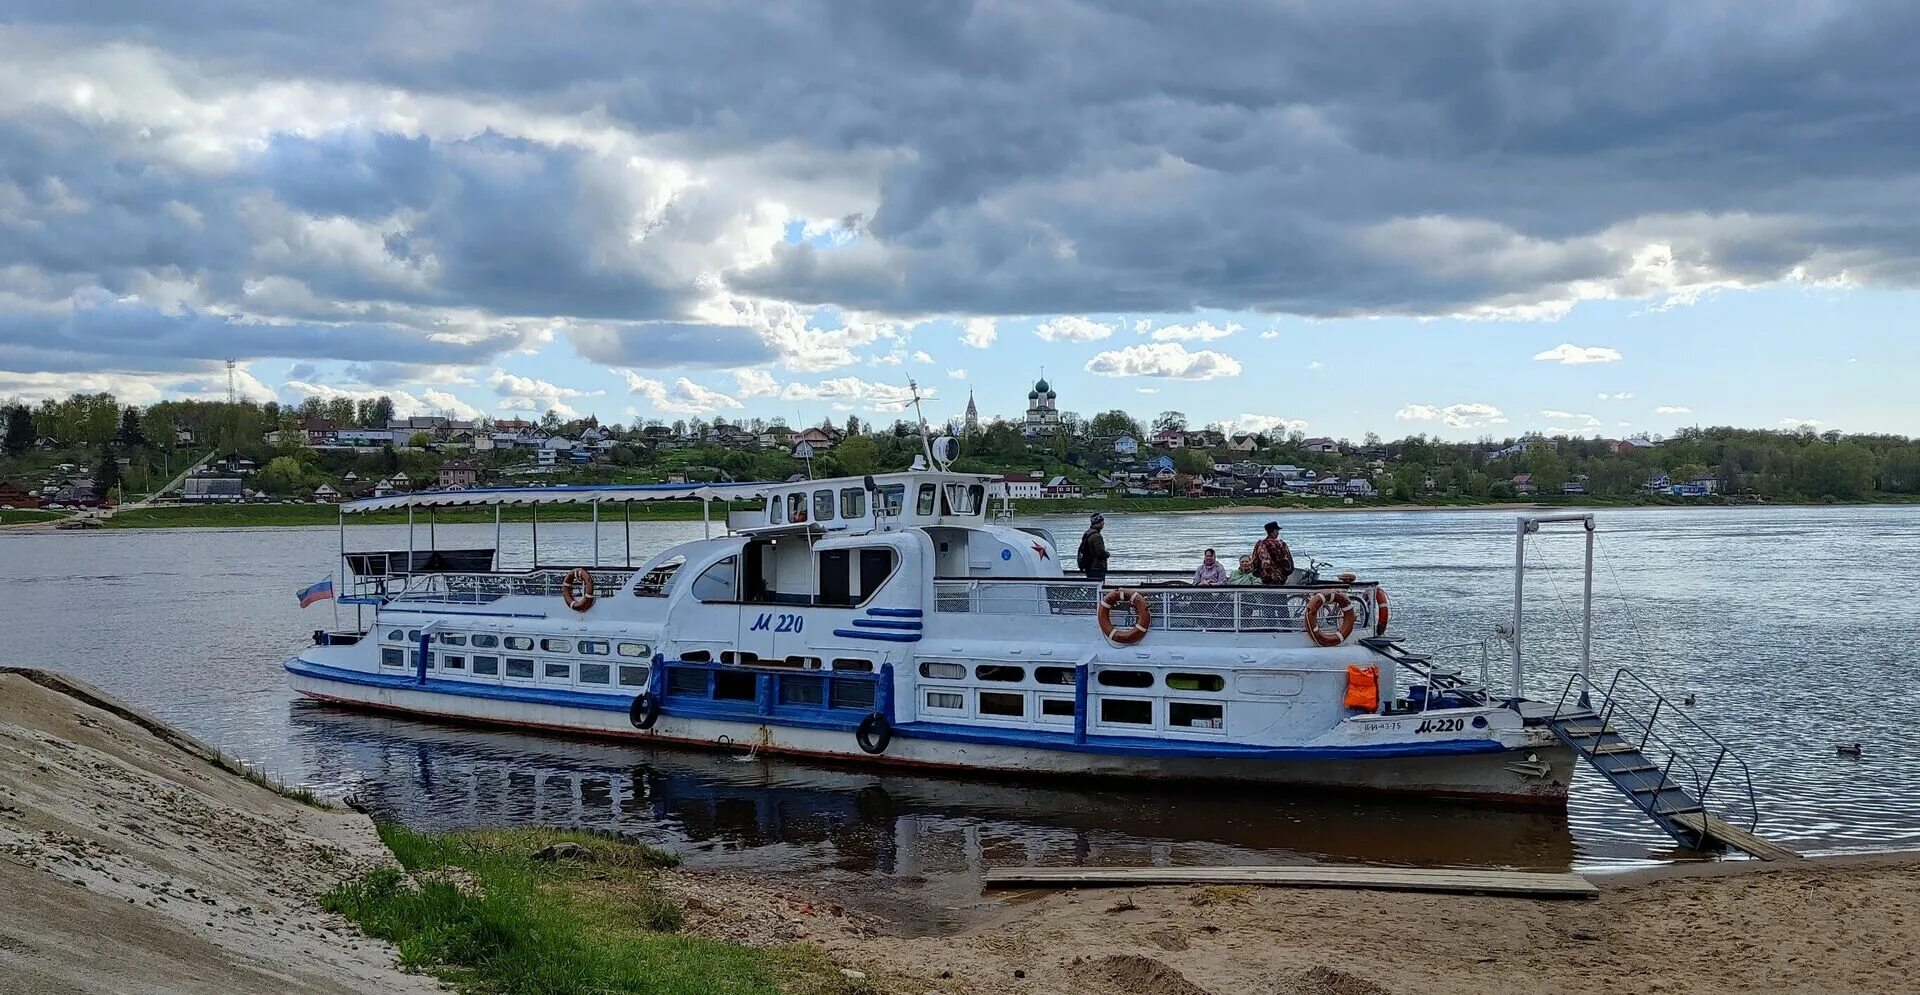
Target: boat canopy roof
column 479, row 497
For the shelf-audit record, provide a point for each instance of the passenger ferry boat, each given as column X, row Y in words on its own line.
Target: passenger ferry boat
column 893, row 619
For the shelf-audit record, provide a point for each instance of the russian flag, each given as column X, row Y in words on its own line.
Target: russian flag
column 316, row 593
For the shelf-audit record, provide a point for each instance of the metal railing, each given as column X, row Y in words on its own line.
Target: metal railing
column 484, row 588
column 1194, row 609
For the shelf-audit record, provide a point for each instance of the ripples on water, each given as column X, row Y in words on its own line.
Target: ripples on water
column 1790, row 625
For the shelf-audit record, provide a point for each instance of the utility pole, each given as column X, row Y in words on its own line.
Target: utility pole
column 231, row 397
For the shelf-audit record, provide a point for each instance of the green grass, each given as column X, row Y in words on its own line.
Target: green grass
column 475, row 909
column 228, row 516
column 21, row 516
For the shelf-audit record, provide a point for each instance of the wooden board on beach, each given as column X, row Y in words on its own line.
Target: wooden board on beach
column 1526, row 883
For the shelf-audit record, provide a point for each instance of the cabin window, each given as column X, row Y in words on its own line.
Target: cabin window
column 453, row 662
column 1125, row 679
column 876, row 565
column 836, row 578
column 853, row 694
column 796, row 662
column 552, row 645
column 740, row 659
column 594, row 647
column 595, row 673
column 1063, row 676
column 486, row 666
column 393, row 656
column 1196, row 714
column 850, row 665
column 519, row 642
column 396, row 635
column 482, row 641
column 961, row 499
column 1126, row 711
column 797, row 507
column 521, row 667
column 798, row 690
column 632, row 649
column 999, row 672
column 853, row 502
column 893, row 498
column 688, row 682
column 734, row 686
column 559, row 671
column 413, row 635
column 696, row 656
column 942, row 671
column 719, row 582
column 1056, row 708
column 777, row 511
column 1005, row 704
column 654, row 583
column 1196, row 682
column 451, row 639
column 632, row 676
column 923, row 505
column 823, row 506
column 945, row 699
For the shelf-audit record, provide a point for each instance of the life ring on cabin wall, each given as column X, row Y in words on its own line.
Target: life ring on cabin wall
column 1320, row 602
column 577, row 589
column 1380, row 612
column 1142, row 616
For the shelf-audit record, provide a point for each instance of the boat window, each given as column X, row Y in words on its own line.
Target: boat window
column 413, row 635
column 453, row 662
column 853, row 502
column 1196, row 714
column 1196, row 682
column 595, row 673
column 483, row 641
column 559, row 671
column 942, row 671
column 962, row 499
column 1056, row 707
column 876, row 565
column 853, row 694
column 552, row 645
column 486, row 666
column 519, row 642
column 999, row 672
column 655, row 582
column 797, row 507
column 1064, row 676
column 924, row 504
column 632, row 649
column 393, row 656
column 734, row 686
column 633, row 676
column 718, row 582
column 807, row 690
column 945, row 699
column 685, row 682
column 519, row 666
column 796, row 662
column 823, row 506
column 777, row 511
column 741, row 659
column 1003, row 703
column 852, row 666
column 396, row 635
column 836, row 579
column 451, row 639
column 696, row 656
column 1125, row 679
column 1126, row 711
column 893, row 498
column 594, row 647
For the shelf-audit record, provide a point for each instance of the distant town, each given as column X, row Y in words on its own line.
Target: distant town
column 88, row 451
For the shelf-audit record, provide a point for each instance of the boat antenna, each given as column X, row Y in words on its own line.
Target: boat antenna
column 926, row 442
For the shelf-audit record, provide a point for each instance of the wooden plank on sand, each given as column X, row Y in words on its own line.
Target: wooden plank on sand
column 1535, row 885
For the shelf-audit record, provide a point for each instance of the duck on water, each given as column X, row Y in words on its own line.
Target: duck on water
column 893, row 619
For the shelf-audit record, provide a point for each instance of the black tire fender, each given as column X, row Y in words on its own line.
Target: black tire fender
column 644, row 711
column 873, row 734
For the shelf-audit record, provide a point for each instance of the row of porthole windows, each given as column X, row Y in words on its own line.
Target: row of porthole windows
column 487, row 665
column 1110, row 711
column 1065, row 676
column 548, row 644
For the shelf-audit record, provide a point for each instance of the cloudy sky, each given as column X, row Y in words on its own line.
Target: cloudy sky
column 1460, row 218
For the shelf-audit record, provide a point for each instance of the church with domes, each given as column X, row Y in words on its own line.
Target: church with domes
column 1043, row 410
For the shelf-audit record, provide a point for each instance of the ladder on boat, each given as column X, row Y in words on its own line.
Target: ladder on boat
column 1622, row 734
column 1439, row 680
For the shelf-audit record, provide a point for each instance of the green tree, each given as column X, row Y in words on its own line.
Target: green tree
column 130, row 434
column 382, row 411
column 281, row 475
column 20, row 435
column 859, row 454
column 419, row 440
column 1170, row 421
column 107, row 476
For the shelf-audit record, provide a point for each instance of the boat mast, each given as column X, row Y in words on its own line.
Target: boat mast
column 926, row 443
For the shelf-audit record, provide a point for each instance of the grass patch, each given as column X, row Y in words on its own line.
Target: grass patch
column 237, row 516
column 478, row 910
column 21, row 516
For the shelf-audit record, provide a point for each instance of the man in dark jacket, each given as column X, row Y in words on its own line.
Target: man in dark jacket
column 1093, row 550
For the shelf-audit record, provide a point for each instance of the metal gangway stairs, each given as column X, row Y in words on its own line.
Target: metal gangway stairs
column 1683, row 777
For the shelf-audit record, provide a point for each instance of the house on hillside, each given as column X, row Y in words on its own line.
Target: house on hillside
column 1061, row 487
column 1361, row 487
column 458, row 473
column 776, row 437
column 1171, row 438
column 1656, row 484
column 1321, row 445
column 234, row 463
column 212, row 490
column 1022, row 486
column 819, row 439
column 326, row 494
column 1126, row 447
column 1576, row 486
column 1244, row 442
column 1522, row 483
column 12, row 496
column 1159, row 466
column 1624, row 446
column 362, row 438
column 400, row 481
column 320, row 431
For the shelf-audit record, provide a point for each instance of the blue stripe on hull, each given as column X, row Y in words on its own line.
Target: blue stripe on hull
column 886, row 623
column 894, row 612
column 884, row 637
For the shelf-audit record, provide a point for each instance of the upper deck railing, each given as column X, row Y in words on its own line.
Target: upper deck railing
column 1174, row 606
column 485, row 587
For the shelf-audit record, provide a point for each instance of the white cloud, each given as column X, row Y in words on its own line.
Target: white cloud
column 1201, row 331
column 1467, row 415
column 684, row 398
column 1146, row 390
column 957, row 373
column 1271, row 333
column 848, row 393
column 509, row 385
column 922, row 357
column 1604, row 396
column 755, row 383
column 1568, row 354
column 1072, row 328
column 1314, row 365
column 980, row 332
column 1163, row 359
column 1799, row 422
column 405, row 404
column 1265, row 423
column 440, row 400
column 1587, row 421
column 1672, row 409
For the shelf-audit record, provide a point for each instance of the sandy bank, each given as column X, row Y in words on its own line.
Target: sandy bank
column 130, row 862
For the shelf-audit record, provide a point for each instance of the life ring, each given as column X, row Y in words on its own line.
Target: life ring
column 1142, row 616
column 1380, row 612
column 873, row 734
column 1337, row 599
column 577, row 589
column 644, row 711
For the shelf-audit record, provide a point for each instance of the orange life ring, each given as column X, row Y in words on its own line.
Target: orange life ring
column 577, row 589
column 1348, row 617
column 1381, row 614
column 1142, row 616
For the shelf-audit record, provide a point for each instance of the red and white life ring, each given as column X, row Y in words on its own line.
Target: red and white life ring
column 1142, row 616
column 1348, row 617
column 577, row 589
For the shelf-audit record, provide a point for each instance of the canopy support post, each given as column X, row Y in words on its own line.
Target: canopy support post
column 706, row 526
column 433, row 535
column 626, row 524
column 536, row 535
column 497, row 561
column 596, row 533
column 409, row 579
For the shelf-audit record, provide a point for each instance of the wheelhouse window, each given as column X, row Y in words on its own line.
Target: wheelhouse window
column 719, row 582
column 893, row 499
column 823, row 506
column 963, row 499
column 923, row 505
column 853, row 502
column 777, row 511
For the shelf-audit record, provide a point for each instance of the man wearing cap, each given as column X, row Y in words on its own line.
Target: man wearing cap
column 1093, row 550
column 1272, row 560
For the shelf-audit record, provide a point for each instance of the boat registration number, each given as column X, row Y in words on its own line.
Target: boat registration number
column 1441, row 725
column 769, row 622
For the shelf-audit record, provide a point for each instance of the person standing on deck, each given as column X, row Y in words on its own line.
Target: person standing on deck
column 1211, row 573
column 1093, row 550
column 1272, row 560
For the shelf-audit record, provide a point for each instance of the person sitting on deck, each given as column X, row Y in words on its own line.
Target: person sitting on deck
column 1272, row 560
column 1244, row 577
column 1211, row 573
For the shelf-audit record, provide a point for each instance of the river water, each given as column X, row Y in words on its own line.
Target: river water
column 1793, row 628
